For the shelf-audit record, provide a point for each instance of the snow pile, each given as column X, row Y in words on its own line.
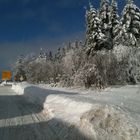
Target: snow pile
column 109, row 122
column 55, row 101
column 6, row 83
column 19, row 88
column 2, row 84
column 66, row 109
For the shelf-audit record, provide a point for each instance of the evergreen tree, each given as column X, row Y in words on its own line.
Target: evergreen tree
column 59, row 55
column 129, row 30
column 69, row 46
column 114, row 19
column 46, row 56
column 50, row 56
column 90, row 14
column 41, row 53
column 104, row 15
column 20, row 69
column 76, row 44
column 95, row 38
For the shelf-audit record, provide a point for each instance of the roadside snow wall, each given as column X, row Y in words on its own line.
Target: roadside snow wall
column 57, row 102
column 109, row 123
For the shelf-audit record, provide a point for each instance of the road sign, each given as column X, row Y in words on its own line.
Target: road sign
column 6, row 75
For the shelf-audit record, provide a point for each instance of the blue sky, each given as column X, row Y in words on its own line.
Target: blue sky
column 28, row 25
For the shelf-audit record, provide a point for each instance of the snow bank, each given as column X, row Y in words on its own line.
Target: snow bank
column 4, row 83
column 109, row 123
column 19, row 88
column 59, row 106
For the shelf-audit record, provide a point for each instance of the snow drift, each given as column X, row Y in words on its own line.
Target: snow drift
column 109, row 123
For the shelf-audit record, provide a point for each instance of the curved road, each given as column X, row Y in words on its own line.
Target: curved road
column 21, row 120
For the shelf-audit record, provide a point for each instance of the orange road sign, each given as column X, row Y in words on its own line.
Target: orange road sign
column 6, row 75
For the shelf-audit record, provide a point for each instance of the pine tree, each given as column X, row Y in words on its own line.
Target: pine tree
column 69, row 46
column 114, row 19
column 90, row 14
column 76, row 44
column 50, row 56
column 129, row 31
column 46, row 56
column 19, row 69
column 95, row 38
column 104, row 15
column 41, row 53
column 58, row 55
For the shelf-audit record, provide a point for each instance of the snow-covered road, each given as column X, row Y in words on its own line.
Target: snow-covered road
column 21, row 120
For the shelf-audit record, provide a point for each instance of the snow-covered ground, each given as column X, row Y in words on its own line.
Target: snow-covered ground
column 6, row 83
column 112, row 114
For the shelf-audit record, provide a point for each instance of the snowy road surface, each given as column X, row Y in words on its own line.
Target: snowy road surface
column 21, row 120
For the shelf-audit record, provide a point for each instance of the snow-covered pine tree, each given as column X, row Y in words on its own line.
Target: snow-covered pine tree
column 95, row 39
column 113, row 19
column 129, row 31
column 50, row 56
column 58, row 54
column 76, row 44
column 42, row 56
column 41, row 53
column 46, row 56
column 104, row 14
column 19, row 69
column 91, row 19
column 90, row 15
column 63, row 52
